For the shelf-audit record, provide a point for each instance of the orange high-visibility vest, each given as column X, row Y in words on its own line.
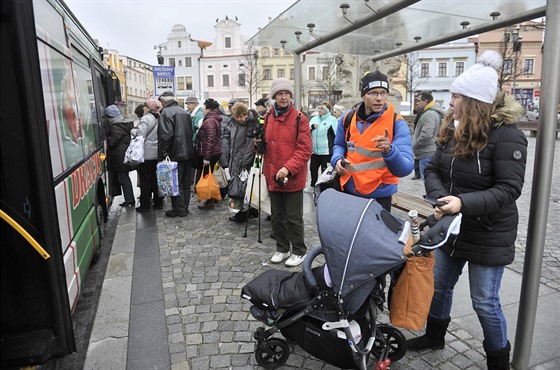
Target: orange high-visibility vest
column 367, row 166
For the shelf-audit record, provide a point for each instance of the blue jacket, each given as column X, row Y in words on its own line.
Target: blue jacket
column 399, row 160
column 320, row 134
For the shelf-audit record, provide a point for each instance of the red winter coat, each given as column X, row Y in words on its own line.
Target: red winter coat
column 210, row 134
column 289, row 145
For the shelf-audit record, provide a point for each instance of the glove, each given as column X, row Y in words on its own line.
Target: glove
column 206, row 162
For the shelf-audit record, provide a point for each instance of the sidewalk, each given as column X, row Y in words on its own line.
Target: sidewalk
column 171, row 297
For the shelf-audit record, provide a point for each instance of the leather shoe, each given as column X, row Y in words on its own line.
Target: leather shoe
column 158, row 206
column 236, row 219
column 272, row 236
column 142, row 209
column 173, row 214
column 415, row 177
column 127, row 204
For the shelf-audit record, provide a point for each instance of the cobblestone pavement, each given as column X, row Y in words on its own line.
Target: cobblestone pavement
column 205, row 260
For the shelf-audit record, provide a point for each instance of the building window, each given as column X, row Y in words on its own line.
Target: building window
column 181, row 83
column 178, row 44
column 172, row 62
column 291, row 73
column 210, row 81
column 442, row 69
column 508, row 66
column 325, row 72
column 281, row 72
column 188, row 83
column 459, row 68
column 225, row 80
column 180, row 63
column 188, row 62
column 267, row 75
column 424, row 69
column 276, row 52
column 228, row 42
column 242, row 79
column 311, row 73
column 528, row 66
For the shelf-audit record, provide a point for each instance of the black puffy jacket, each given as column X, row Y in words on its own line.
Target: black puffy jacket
column 118, row 140
column 488, row 185
column 175, row 133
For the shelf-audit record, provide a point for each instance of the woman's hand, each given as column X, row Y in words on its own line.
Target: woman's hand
column 453, row 206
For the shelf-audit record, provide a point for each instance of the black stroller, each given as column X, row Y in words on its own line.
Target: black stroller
column 331, row 310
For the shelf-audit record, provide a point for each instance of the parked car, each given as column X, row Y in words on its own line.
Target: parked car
column 532, row 114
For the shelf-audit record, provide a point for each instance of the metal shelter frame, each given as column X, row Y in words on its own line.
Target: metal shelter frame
column 550, row 95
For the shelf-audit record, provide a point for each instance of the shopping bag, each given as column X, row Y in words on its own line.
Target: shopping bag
column 238, row 185
column 255, row 182
column 411, row 296
column 134, row 154
column 220, row 176
column 207, row 187
column 168, row 178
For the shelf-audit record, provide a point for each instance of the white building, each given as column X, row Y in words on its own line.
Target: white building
column 221, row 75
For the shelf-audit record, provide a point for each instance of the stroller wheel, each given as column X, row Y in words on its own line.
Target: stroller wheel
column 272, row 353
column 394, row 340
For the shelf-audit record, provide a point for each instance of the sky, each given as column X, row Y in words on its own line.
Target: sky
column 133, row 27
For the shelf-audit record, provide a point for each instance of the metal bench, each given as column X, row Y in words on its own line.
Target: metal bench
column 406, row 202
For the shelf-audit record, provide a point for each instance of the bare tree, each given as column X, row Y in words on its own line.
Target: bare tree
column 330, row 80
column 413, row 74
column 509, row 49
column 249, row 74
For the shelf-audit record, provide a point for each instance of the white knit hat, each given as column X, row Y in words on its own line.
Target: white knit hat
column 480, row 81
column 281, row 84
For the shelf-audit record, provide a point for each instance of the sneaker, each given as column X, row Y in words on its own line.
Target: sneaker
column 279, row 257
column 309, row 189
column 295, row 260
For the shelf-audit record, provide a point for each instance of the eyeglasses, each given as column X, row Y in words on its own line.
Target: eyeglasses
column 374, row 94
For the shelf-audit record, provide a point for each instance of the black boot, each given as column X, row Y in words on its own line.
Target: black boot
column 434, row 337
column 498, row 360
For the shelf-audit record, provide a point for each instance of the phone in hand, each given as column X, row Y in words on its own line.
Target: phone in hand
column 435, row 203
column 281, row 182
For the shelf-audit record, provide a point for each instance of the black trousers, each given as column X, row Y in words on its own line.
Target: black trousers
column 148, row 184
column 316, row 161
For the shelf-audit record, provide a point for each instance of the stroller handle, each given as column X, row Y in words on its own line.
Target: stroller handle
column 308, row 273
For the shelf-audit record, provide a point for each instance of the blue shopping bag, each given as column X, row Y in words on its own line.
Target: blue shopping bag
column 168, row 178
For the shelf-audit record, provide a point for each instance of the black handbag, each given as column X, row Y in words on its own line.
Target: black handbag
column 237, row 187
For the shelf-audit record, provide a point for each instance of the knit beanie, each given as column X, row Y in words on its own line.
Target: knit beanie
column 153, row 105
column 112, row 111
column 480, row 81
column 374, row 80
column 281, row 84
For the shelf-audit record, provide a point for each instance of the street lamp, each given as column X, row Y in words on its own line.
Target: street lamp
column 159, row 56
column 516, row 47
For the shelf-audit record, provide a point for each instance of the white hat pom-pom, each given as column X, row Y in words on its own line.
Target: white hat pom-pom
column 490, row 58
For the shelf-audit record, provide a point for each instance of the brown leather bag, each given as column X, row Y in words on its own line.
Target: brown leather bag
column 412, row 295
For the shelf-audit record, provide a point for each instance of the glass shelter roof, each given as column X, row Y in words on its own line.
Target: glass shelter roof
column 377, row 27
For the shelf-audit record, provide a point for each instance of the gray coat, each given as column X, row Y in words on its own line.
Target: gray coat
column 426, row 132
column 148, row 126
column 242, row 148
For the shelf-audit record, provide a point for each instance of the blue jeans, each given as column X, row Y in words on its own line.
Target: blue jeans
column 423, row 162
column 484, row 283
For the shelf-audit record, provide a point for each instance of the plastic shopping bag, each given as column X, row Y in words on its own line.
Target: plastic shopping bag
column 134, row 155
column 207, row 187
column 168, row 178
column 257, row 189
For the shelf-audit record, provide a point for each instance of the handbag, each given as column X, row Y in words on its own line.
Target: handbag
column 207, row 187
column 238, row 185
column 167, row 174
column 256, row 194
column 412, row 294
column 134, row 154
column 220, row 176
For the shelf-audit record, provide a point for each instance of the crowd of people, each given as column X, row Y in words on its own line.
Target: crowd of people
column 472, row 159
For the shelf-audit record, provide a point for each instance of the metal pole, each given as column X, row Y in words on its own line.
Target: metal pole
column 540, row 196
column 297, row 81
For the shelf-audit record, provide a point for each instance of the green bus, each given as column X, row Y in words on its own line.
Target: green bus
column 55, row 186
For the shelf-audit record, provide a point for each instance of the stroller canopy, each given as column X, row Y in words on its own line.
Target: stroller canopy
column 360, row 242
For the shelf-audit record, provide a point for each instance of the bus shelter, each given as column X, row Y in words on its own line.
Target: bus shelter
column 388, row 28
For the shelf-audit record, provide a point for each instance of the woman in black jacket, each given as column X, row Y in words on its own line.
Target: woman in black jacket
column 118, row 139
column 478, row 169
